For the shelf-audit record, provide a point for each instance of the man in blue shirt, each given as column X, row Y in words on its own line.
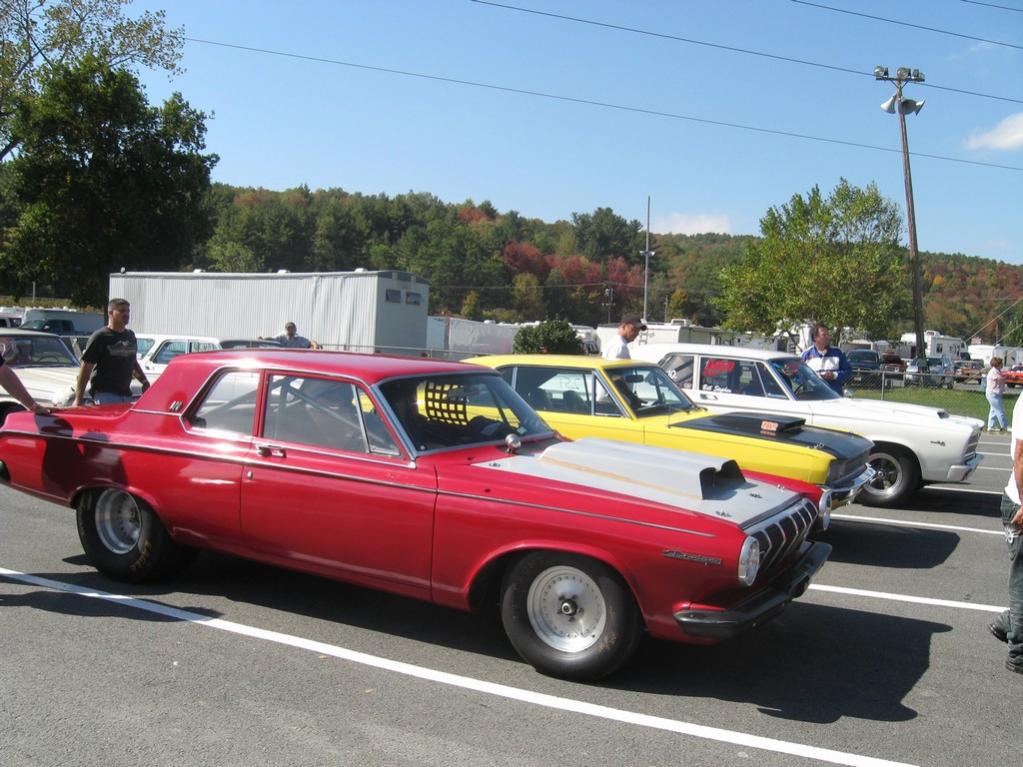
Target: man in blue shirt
column 829, row 362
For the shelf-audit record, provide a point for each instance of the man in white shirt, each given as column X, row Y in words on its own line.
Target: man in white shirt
column 628, row 331
column 1008, row 627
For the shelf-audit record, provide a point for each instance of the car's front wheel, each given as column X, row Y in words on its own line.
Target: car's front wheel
column 124, row 538
column 569, row 616
column 896, row 475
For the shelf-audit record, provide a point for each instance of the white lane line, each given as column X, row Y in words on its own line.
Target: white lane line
column 961, row 489
column 468, row 683
column 993, row 468
column 907, row 598
column 854, row 518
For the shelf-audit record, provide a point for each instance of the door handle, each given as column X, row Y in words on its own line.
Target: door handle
column 707, row 396
column 271, row 450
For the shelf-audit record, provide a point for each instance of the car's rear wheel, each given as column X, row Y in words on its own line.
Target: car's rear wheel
column 569, row 616
column 896, row 476
column 124, row 538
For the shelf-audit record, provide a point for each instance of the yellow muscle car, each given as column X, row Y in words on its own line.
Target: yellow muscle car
column 635, row 401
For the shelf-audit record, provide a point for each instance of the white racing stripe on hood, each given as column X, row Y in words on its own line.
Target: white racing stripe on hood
column 660, row 475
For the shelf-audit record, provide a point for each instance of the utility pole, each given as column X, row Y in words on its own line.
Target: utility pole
column 898, row 104
column 646, row 253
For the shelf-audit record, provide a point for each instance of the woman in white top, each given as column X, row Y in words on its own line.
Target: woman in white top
column 995, row 390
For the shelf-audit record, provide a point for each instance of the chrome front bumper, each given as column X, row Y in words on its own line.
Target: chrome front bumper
column 840, row 496
column 960, row 472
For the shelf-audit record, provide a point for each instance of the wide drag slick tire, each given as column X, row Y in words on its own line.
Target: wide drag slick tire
column 125, row 540
column 897, row 475
column 569, row 616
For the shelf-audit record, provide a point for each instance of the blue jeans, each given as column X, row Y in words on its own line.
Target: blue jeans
column 997, row 412
column 109, row 398
column 1011, row 621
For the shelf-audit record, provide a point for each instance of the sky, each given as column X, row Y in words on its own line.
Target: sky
column 715, row 128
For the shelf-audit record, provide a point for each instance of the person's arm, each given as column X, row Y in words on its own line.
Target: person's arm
column 10, row 381
column 140, row 375
column 1017, row 474
column 844, row 367
column 83, row 378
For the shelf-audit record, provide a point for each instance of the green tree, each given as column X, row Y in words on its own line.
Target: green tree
column 835, row 260
column 103, row 181
column 38, row 35
column 551, row 337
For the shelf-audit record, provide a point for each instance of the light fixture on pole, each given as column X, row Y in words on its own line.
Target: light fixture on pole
column 646, row 253
column 903, row 106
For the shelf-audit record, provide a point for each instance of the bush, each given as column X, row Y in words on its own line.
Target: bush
column 551, row 337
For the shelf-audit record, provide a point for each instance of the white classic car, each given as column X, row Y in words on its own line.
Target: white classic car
column 913, row 444
column 155, row 351
column 43, row 363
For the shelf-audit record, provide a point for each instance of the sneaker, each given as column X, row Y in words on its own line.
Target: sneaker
column 997, row 633
column 1016, row 668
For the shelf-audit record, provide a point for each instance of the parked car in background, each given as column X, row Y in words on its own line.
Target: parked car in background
column 969, row 371
column 43, row 363
column 930, row 371
column 156, row 351
column 866, row 367
column 637, row 402
column 913, row 444
column 893, row 366
column 432, row 480
column 1014, row 375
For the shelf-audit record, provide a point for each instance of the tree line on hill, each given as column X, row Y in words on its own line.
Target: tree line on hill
column 94, row 179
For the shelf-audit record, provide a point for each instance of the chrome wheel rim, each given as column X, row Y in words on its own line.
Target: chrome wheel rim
column 118, row 523
column 566, row 609
column 887, row 475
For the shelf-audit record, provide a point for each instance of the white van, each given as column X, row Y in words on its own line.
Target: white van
column 65, row 322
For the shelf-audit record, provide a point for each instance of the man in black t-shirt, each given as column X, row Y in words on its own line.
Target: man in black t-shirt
column 109, row 362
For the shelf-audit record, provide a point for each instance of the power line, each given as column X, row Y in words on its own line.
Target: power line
column 992, row 5
column 730, row 48
column 907, row 24
column 602, row 104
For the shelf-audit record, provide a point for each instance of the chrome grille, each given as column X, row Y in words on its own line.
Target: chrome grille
column 971, row 446
column 782, row 534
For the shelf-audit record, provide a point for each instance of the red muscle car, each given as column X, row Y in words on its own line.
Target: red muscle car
column 430, row 479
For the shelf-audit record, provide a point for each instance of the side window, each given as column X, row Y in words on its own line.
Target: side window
column 201, row 346
column 142, row 345
column 603, row 402
column 380, row 440
column 679, row 368
column 566, row 392
column 230, row 405
column 719, row 375
column 169, row 351
column 769, row 383
column 319, row 412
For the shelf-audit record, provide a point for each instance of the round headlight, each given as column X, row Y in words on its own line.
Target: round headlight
column 824, row 511
column 749, row 561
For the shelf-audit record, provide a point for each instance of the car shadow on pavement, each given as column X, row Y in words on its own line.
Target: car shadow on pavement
column 218, row 575
column 963, row 502
column 881, row 545
column 813, row 664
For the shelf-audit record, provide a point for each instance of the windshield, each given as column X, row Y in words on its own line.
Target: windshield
column 648, row 391
column 801, row 381
column 443, row 411
column 36, row 351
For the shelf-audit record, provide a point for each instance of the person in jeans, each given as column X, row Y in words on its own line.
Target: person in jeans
column 1008, row 627
column 109, row 362
column 995, row 389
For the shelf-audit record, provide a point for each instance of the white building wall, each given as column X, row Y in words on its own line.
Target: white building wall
column 339, row 310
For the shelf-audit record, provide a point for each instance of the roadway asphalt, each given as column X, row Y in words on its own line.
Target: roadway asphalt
column 885, row 660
